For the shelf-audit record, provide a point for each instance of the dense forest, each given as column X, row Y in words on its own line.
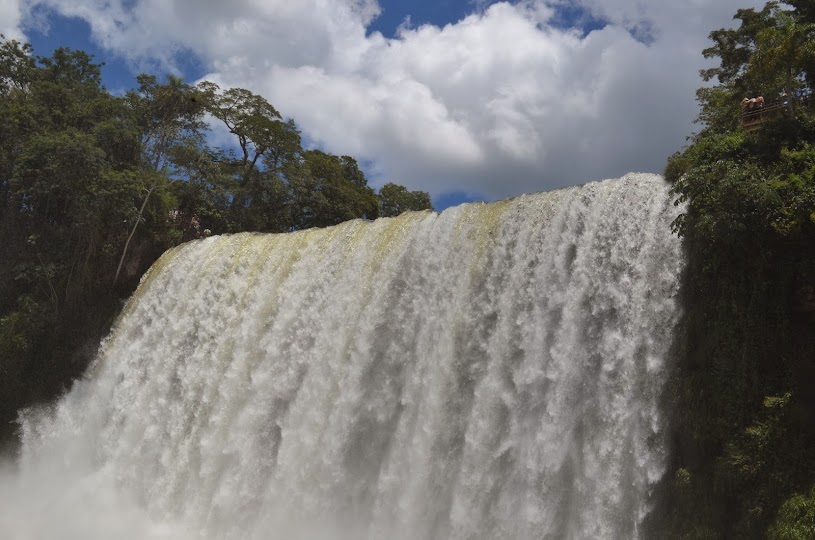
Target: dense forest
column 744, row 392
column 94, row 187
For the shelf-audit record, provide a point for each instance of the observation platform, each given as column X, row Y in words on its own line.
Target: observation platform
column 751, row 119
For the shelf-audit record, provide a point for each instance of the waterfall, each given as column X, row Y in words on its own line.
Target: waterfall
column 493, row 371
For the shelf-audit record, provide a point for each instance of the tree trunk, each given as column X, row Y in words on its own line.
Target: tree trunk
column 133, row 231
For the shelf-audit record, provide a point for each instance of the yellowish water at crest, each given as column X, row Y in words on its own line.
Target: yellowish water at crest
column 494, row 371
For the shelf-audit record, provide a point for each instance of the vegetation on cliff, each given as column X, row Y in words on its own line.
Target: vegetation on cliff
column 745, row 390
column 94, row 187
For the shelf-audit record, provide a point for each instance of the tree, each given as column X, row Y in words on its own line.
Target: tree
column 266, row 146
column 94, row 187
column 395, row 199
column 328, row 189
column 720, row 104
column 744, row 391
column 17, row 68
column 69, row 165
column 784, row 51
column 796, row 518
column 166, row 114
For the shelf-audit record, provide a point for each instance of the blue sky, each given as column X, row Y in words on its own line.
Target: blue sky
column 119, row 74
column 463, row 99
column 439, row 13
column 75, row 33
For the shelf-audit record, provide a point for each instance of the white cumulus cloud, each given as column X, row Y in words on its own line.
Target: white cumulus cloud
column 10, row 18
column 503, row 101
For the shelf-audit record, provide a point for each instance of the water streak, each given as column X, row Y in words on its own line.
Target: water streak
column 494, row 371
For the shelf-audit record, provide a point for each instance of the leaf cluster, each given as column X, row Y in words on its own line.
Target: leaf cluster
column 744, row 392
column 94, row 187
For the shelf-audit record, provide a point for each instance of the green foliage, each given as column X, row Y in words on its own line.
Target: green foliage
column 328, row 190
column 19, row 331
column 395, row 199
column 745, row 388
column 771, row 51
column 94, row 187
column 796, row 518
column 763, row 463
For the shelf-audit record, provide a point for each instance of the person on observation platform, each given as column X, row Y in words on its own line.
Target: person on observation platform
column 750, row 105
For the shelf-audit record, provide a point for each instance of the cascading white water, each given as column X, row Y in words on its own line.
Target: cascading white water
column 491, row 372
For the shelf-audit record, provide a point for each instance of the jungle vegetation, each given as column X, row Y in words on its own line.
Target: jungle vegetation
column 94, row 187
column 744, row 392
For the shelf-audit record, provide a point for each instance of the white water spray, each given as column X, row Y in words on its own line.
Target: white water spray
column 491, row 372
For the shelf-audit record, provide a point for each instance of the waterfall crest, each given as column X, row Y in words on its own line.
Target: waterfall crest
column 493, row 371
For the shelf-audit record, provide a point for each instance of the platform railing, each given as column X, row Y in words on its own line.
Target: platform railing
column 751, row 119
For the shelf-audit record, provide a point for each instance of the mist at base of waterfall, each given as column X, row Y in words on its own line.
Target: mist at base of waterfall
column 493, row 371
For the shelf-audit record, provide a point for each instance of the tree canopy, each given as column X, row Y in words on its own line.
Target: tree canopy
column 744, row 393
column 94, row 187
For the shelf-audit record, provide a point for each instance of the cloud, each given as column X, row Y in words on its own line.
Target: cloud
column 10, row 19
column 500, row 102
